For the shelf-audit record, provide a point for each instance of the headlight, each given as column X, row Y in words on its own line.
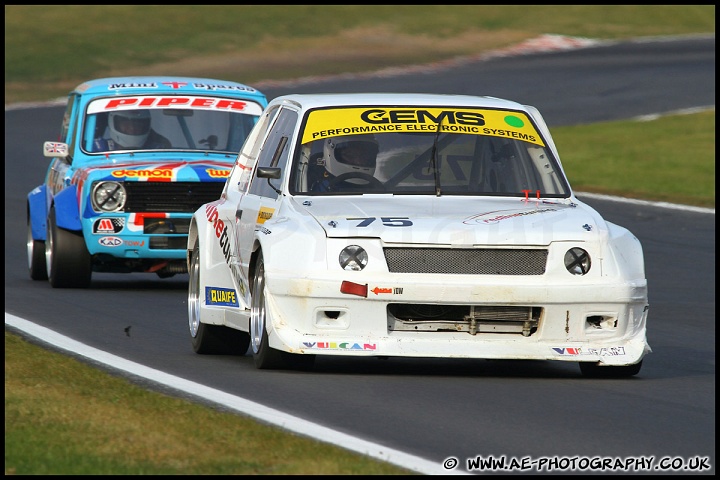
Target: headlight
column 577, row 261
column 353, row 258
column 108, row 196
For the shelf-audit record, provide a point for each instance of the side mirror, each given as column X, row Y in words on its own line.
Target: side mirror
column 269, row 172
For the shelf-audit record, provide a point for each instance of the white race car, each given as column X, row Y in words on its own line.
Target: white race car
column 411, row 225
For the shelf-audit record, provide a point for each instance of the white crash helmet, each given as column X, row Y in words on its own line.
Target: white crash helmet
column 129, row 128
column 353, row 153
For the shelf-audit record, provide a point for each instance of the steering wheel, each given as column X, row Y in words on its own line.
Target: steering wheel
column 371, row 181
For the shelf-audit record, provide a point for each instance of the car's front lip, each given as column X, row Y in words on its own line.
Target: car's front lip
column 615, row 352
column 297, row 306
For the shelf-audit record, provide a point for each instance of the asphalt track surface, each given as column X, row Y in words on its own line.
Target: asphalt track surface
column 419, row 412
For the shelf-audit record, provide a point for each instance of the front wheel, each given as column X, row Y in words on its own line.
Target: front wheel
column 68, row 262
column 593, row 370
column 210, row 339
column 36, row 255
column 264, row 356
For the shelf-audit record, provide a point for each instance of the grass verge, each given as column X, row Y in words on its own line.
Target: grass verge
column 64, row 417
column 669, row 159
column 49, row 49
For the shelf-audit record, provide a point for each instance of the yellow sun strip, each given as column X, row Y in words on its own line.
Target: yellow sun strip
column 357, row 121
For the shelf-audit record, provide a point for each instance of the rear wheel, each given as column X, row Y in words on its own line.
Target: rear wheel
column 36, row 255
column 210, row 339
column 264, row 356
column 593, row 370
column 68, row 262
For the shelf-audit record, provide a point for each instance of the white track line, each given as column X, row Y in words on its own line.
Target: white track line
column 238, row 404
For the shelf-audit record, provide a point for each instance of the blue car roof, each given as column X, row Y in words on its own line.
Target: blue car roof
column 167, row 85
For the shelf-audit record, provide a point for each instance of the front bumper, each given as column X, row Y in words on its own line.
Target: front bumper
column 603, row 323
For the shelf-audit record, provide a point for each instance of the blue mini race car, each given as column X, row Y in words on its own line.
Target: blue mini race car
column 136, row 157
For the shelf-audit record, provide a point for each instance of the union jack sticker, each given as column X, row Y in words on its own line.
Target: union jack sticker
column 56, row 148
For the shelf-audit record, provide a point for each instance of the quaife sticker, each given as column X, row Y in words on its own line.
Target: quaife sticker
column 472, row 121
column 221, row 296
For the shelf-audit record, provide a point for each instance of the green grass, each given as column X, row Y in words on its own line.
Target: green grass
column 65, row 417
column 49, row 49
column 670, row 159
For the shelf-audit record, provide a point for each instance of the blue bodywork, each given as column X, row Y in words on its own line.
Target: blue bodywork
column 161, row 184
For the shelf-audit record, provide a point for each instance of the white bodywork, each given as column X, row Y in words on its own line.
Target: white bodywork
column 596, row 317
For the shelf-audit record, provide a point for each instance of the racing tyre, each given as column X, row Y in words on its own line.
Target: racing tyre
column 36, row 255
column 68, row 262
column 263, row 356
column 593, row 370
column 210, row 339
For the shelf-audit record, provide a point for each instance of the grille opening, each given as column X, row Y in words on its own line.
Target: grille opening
column 472, row 319
column 170, row 197
column 466, row 261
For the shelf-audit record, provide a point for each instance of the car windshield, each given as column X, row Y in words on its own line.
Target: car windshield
column 492, row 153
column 196, row 123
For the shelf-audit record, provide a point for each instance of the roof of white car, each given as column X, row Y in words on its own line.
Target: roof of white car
column 318, row 100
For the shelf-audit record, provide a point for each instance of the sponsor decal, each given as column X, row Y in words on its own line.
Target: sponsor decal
column 221, row 296
column 108, row 225
column 221, row 233
column 110, row 241
column 215, row 173
column 265, row 214
column 221, row 230
column 177, row 85
column 602, row 352
column 474, row 121
column 490, row 218
column 116, row 86
column 134, row 243
column 392, row 291
column 174, row 101
column 340, row 346
column 163, row 173
column 219, row 86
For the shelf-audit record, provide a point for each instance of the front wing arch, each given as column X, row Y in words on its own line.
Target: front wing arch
column 223, row 301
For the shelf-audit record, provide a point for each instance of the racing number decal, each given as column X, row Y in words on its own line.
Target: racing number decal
column 387, row 221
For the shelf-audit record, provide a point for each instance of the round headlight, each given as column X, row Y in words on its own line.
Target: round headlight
column 353, row 258
column 577, row 261
column 108, row 196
